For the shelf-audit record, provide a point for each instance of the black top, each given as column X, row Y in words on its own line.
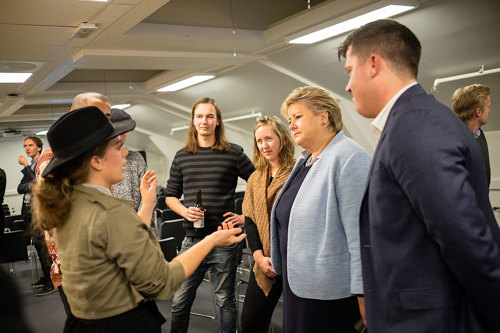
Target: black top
column 481, row 139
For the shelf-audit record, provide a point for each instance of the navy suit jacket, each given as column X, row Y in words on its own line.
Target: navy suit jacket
column 430, row 245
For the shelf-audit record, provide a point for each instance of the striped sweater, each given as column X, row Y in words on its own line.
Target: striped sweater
column 215, row 174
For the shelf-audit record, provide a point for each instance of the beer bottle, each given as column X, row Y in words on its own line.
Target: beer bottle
column 198, row 204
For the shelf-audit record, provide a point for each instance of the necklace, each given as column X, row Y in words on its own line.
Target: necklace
column 311, row 160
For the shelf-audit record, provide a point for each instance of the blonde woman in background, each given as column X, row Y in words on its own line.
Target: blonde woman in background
column 273, row 157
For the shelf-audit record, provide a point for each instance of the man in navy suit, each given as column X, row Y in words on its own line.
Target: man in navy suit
column 430, row 246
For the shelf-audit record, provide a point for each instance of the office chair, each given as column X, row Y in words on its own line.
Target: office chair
column 18, row 225
column 6, row 210
column 9, row 220
column 168, row 248
column 167, row 214
column 173, row 228
column 237, row 205
column 13, row 248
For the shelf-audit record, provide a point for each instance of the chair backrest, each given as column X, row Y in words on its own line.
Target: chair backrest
column 18, row 225
column 168, row 215
column 173, row 228
column 6, row 210
column 168, row 248
column 237, row 205
column 13, row 247
column 160, row 202
column 9, row 220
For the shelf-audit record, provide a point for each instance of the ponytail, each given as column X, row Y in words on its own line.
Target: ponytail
column 51, row 201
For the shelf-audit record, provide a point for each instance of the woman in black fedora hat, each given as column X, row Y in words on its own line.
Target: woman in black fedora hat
column 112, row 263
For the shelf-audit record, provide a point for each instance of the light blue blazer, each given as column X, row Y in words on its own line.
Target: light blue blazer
column 323, row 237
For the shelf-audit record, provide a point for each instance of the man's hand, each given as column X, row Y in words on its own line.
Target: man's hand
column 234, row 218
column 22, row 160
column 193, row 214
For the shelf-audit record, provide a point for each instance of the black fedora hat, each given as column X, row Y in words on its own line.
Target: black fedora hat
column 79, row 131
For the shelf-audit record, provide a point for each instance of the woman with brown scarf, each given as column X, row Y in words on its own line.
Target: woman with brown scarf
column 273, row 157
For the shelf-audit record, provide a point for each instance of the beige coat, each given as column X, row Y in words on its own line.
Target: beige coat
column 110, row 259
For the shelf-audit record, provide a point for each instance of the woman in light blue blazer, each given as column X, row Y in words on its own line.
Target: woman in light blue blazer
column 315, row 219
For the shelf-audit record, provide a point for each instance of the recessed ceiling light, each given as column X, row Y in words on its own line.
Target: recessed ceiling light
column 44, row 132
column 14, row 77
column 186, row 82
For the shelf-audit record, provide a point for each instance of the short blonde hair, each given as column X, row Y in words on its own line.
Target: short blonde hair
column 317, row 100
column 465, row 101
column 287, row 147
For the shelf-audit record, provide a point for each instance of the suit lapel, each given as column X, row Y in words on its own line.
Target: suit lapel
column 401, row 101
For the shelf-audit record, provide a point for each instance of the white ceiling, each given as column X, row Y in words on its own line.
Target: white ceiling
column 141, row 45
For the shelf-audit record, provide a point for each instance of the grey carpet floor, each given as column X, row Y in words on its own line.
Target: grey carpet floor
column 46, row 314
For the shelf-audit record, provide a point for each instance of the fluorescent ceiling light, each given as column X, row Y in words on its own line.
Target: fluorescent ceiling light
column 351, row 24
column 14, row 77
column 120, row 106
column 44, row 132
column 186, row 82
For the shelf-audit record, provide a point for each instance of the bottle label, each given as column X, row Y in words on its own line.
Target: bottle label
column 199, row 224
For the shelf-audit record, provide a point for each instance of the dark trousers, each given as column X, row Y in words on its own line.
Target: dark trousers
column 38, row 238
column 145, row 318
column 258, row 309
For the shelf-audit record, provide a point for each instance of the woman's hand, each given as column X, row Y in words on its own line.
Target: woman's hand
column 226, row 235
column 265, row 264
column 148, row 187
column 234, row 218
column 362, row 311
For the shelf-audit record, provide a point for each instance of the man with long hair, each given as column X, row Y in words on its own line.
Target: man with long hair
column 210, row 164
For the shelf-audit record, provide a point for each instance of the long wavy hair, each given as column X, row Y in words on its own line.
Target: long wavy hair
column 287, row 146
column 51, row 194
column 221, row 143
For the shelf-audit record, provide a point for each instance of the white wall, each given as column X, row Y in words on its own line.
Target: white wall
column 493, row 138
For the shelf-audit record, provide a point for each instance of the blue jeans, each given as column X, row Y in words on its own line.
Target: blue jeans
column 223, row 262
